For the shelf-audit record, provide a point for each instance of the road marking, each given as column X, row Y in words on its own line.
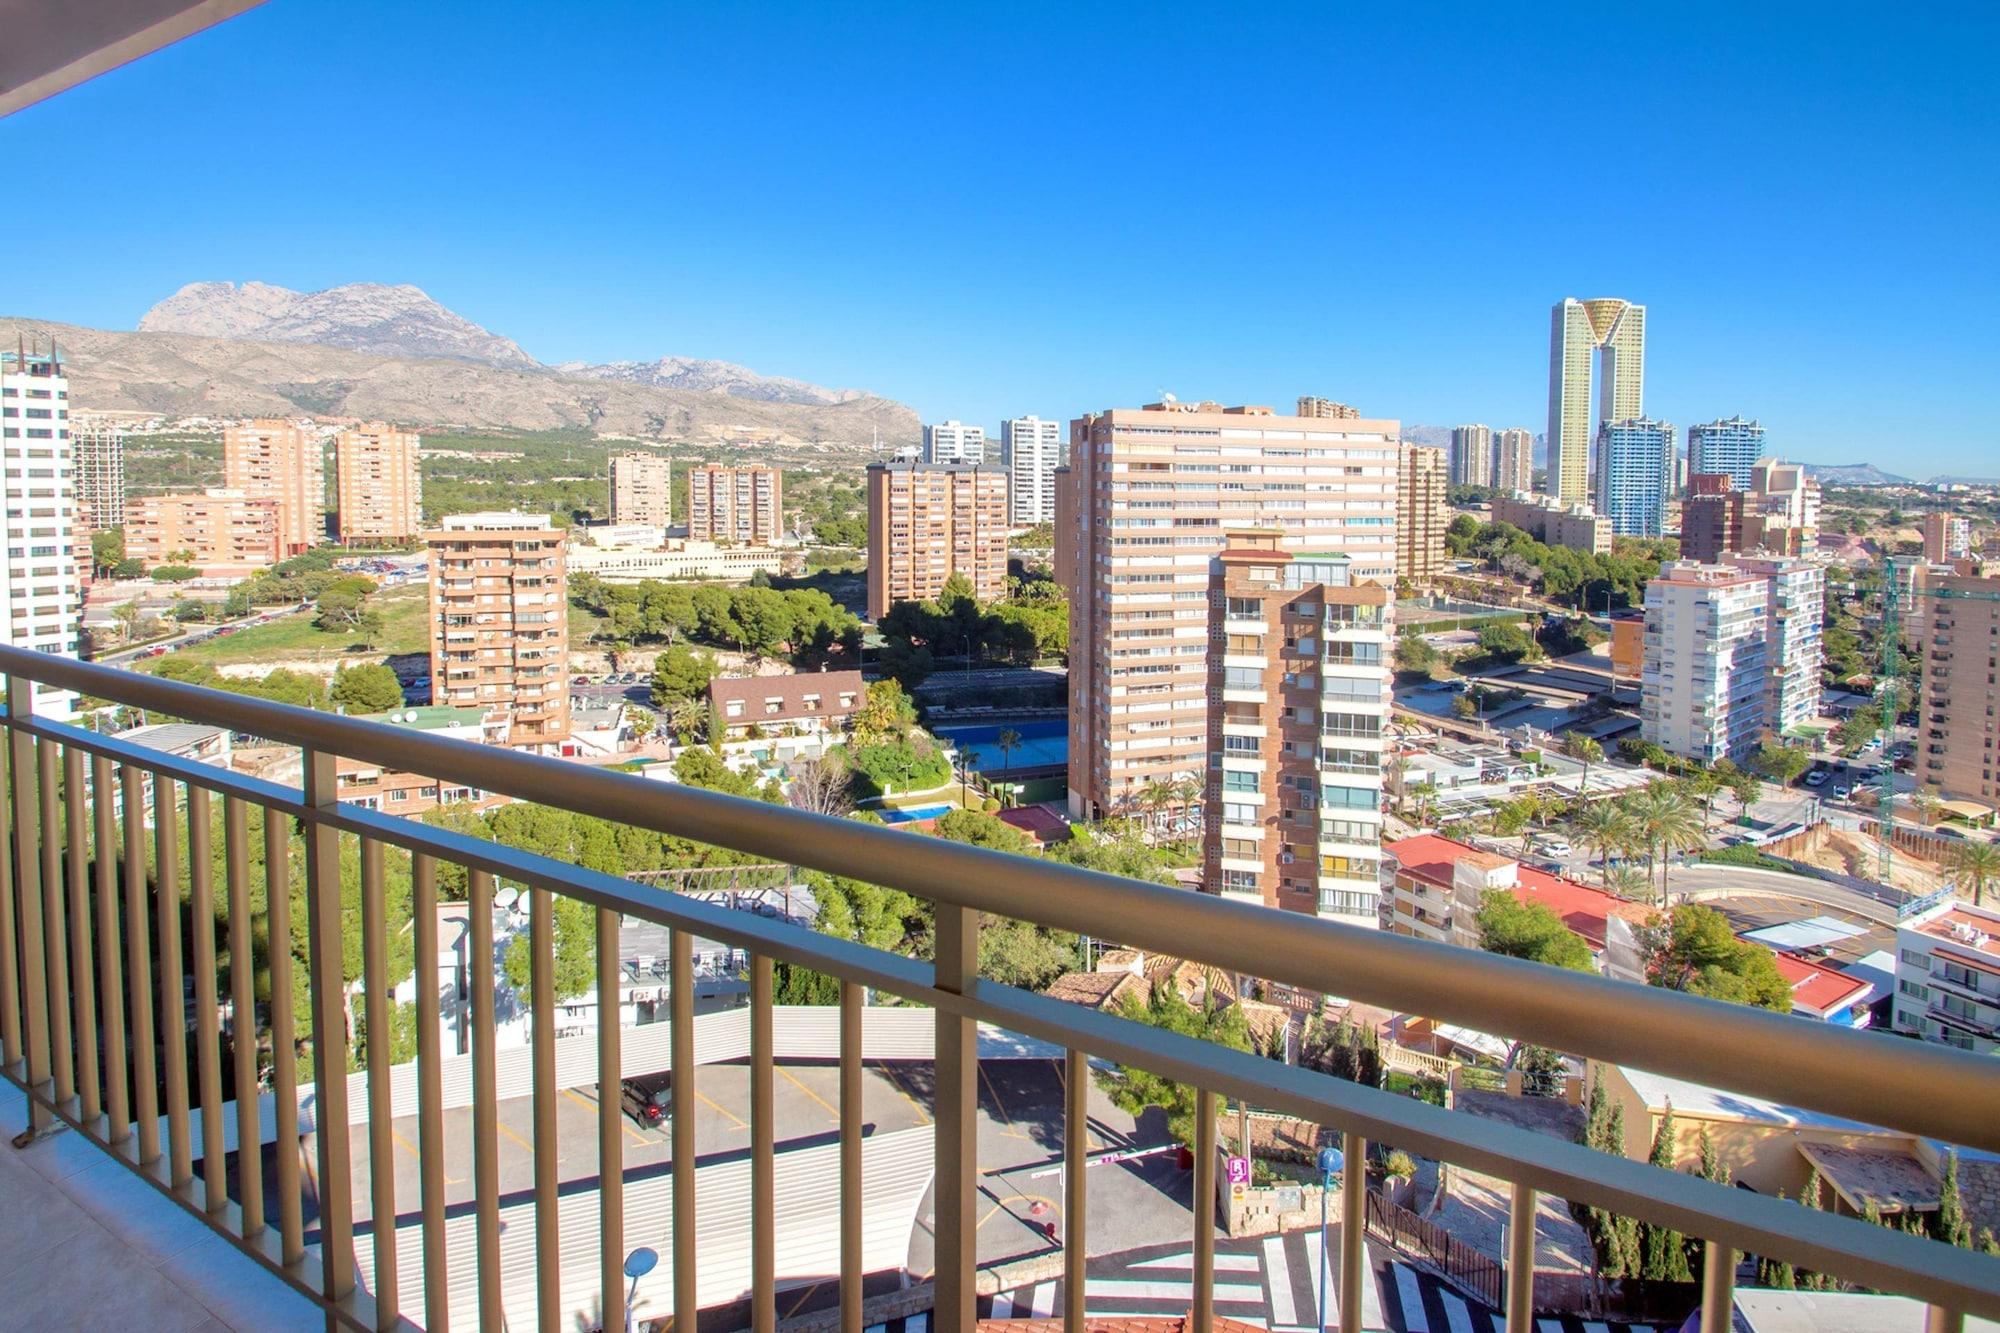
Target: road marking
column 404, row 1144
column 831, row 1109
column 1312, row 1275
column 1371, row 1293
column 1284, row 1310
column 999, row 1105
column 1596, row 1326
column 1134, row 1290
column 1455, row 1312
column 1414, row 1318
column 1224, row 1263
column 923, row 1117
column 1003, row 1306
column 1045, row 1300
column 804, row 1296
column 1550, row 1326
column 512, row 1135
column 740, row 1124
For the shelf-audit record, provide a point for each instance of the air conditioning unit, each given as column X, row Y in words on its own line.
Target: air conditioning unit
column 1284, row 858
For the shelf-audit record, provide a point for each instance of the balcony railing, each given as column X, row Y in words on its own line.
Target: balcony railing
column 82, row 930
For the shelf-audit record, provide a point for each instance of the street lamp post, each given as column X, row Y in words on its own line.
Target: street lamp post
column 1330, row 1163
column 637, row 1264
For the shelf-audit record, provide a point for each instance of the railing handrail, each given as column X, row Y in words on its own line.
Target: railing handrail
column 1664, row 1032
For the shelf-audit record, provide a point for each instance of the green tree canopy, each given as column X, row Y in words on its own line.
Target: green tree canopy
column 1530, row 930
column 680, row 674
column 1135, row 1090
column 367, row 689
column 1694, row 950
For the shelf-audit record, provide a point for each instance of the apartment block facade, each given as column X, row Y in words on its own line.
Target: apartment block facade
column 1947, row 537
column 283, row 462
column 223, row 533
column 1554, row 523
column 1298, row 712
column 1781, row 512
column 1711, row 517
column 98, row 446
column 1471, row 456
column 41, row 545
column 1422, row 514
column 1733, row 446
column 1795, row 610
column 1141, row 511
column 952, row 443
column 1954, row 625
column 1717, row 679
column 1514, row 460
column 928, row 523
column 642, row 489
column 499, row 615
column 1635, row 476
column 380, row 483
column 1613, row 332
column 1326, row 409
column 744, row 505
column 1948, row 977
column 1031, row 450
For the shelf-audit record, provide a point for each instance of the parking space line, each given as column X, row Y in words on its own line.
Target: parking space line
column 804, row 1296
column 502, row 1125
column 404, row 1144
column 998, row 1104
column 922, row 1117
column 740, row 1124
column 787, row 1074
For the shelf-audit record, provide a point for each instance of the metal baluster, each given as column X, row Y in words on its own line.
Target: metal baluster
column 956, row 972
column 485, row 1111
column 139, row 968
column 326, row 988
column 173, row 977
column 850, row 1157
column 243, row 1013
column 763, row 1179
column 117, row 1087
column 430, row 1095
column 1718, row 1287
column 27, row 882
column 1203, row 1314
column 207, row 1025
column 82, row 970
column 381, row 1110
column 680, row 952
column 62, row 1055
column 1521, row 1258
column 610, row 1135
column 1076, row 1164
column 542, row 1024
column 1353, row 1223
column 284, row 1035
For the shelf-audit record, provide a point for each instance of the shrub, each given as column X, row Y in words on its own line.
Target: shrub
column 896, row 766
column 1400, row 1163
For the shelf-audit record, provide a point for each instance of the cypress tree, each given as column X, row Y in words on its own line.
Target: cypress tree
column 1952, row 1226
column 1774, row 1272
column 1663, row 1252
column 1809, row 1197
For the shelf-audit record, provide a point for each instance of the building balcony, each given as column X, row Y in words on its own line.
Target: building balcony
column 492, row 1182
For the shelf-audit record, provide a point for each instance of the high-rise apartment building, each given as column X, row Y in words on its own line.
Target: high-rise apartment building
column 1711, row 518
column 1553, row 523
column 98, row 443
column 1732, row 655
column 642, row 489
column 1148, row 495
column 1471, row 456
column 1635, row 476
column 1031, row 450
column 281, row 461
column 1514, row 460
column 1615, row 331
column 221, row 532
column 1731, row 446
column 950, row 443
column 41, row 603
column 1947, row 537
column 1422, row 514
column 1781, row 512
column 379, row 483
column 1298, row 710
column 744, row 505
column 1958, row 638
column 1326, row 409
column 928, row 523
column 500, row 622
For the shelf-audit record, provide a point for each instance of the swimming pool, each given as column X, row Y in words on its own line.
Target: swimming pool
column 1042, row 745
column 913, row 814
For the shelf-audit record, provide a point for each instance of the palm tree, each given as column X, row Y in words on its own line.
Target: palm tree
column 1666, row 819
column 1976, row 863
column 1154, row 798
column 1606, row 828
column 1421, row 797
column 1189, row 792
column 1627, row 881
column 1705, row 784
column 1588, row 752
column 1007, row 740
column 1398, row 767
column 688, row 718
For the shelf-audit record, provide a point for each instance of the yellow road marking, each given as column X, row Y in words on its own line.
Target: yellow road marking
column 1005, row 1119
column 579, row 1098
column 502, row 1126
column 404, row 1144
column 787, row 1074
column 917, row 1106
column 804, row 1296
column 723, row 1109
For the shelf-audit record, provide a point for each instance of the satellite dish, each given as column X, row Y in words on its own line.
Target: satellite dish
column 1168, row 398
column 506, row 899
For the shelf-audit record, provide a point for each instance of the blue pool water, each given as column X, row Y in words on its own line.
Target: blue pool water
column 912, row 814
column 1042, row 745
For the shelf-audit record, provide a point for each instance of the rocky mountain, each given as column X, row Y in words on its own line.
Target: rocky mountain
column 362, row 317
column 1853, row 474
column 681, row 372
column 185, row 375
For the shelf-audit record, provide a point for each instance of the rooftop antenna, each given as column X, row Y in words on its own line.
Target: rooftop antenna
column 1167, row 399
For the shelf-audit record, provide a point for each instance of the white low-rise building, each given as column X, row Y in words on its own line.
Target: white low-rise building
column 1948, row 976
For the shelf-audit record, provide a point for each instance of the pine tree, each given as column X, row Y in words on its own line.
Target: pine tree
column 1622, row 1232
column 1713, row 1168
column 1952, row 1226
column 1809, row 1197
column 1988, row 1243
column 1776, row 1272
column 1663, row 1252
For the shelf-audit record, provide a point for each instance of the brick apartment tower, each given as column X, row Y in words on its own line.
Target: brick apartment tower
column 1958, row 719
column 1298, row 708
column 1711, row 517
column 379, row 483
column 926, row 523
column 277, row 460
column 1140, row 513
column 741, row 505
column 500, row 621
column 642, row 489
column 1422, row 514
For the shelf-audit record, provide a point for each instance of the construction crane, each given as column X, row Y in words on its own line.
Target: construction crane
column 1885, row 692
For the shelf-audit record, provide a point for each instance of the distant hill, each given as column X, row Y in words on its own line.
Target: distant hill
column 362, row 317
column 186, row 375
column 681, row 372
column 1854, row 474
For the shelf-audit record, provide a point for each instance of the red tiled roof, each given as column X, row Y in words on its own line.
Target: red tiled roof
column 1430, row 857
column 1816, row 989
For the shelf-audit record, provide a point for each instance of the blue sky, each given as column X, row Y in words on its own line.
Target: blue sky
column 1053, row 209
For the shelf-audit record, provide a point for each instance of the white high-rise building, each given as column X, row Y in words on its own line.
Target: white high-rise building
column 1732, row 446
column 1471, row 456
column 1635, row 473
column 1615, row 332
column 1513, row 461
column 39, row 594
column 98, row 445
column 1031, row 450
column 1795, row 607
column 952, row 442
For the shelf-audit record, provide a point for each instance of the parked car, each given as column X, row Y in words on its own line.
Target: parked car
column 645, row 1098
column 1554, row 847
column 1843, row 790
column 579, row 680
column 1816, row 778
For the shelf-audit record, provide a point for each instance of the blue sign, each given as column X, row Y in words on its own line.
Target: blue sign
column 1330, row 1162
